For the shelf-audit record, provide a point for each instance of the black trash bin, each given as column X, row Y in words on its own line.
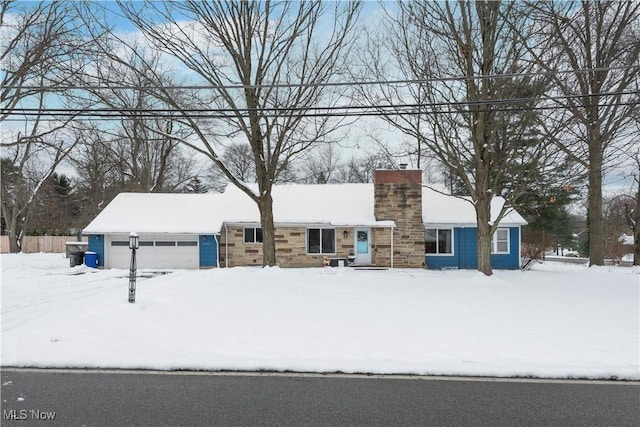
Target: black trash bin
column 76, row 258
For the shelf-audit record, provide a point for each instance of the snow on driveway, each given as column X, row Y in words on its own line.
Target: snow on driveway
column 554, row 321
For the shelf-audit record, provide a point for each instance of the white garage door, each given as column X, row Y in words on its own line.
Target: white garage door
column 161, row 251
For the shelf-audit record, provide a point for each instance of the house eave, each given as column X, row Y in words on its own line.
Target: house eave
column 149, row 231
column 306, row 224
column 445, row 224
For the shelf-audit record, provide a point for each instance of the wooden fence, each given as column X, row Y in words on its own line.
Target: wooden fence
column 35, row 244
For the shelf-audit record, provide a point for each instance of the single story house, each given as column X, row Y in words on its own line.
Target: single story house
column 394, row 222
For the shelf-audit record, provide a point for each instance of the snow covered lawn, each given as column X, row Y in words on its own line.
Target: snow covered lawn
column 554, row 321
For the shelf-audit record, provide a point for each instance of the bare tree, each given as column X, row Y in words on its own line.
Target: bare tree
column 141, row 144
column 320, row 165
column 42, row 50
column 470, row 101
column 619, row 216
column 109, row 162
column 239, row 160
column 590, row 49
column 36, row 43
column 264, row 65
column 632, row 202
column 99, row 179
column 633, row 214
column 25, row 169
column 360, row 169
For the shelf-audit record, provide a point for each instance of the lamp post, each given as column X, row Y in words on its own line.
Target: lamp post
column 134, row 243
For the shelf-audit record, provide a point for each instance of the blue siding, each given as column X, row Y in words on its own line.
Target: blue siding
column 510, row 261
column 466, row 252
column 437, row 262
column 96, row 244
column 208, row 251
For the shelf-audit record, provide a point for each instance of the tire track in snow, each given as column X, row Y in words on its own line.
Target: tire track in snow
column 60, row 290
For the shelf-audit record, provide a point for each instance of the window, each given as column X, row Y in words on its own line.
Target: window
column 253, row 235
column 187, row 243
column 160, row 243
column 438, row 241
column 500, row 241
column 321, row 241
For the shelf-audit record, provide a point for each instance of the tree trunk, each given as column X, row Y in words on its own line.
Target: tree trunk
column 14, row 243
column 265, row 205
column 636, row 247
column 636, row 230
column 483, row 216
column 596, row 220
column 11, row 223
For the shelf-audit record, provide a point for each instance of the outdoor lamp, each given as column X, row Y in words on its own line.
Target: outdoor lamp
column 134, row 243
column 345, row 234
column 134, row 240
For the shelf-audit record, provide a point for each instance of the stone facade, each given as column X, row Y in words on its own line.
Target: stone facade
column 291, row 247
column 398, row 197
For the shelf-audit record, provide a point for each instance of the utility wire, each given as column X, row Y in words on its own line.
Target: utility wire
column 345, row 111
column 377, row 113
column 326, row 84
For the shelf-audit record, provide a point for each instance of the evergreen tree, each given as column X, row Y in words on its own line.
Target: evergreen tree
column 549, row 221
column 196, row 185
column 57, row 208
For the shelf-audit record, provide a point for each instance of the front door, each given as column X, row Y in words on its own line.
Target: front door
column 363, row 246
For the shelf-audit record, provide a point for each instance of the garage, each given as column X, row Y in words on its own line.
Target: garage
column 156, row 251
column 177, row 231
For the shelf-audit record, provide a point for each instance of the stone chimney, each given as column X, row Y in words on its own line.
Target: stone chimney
column 398, row 197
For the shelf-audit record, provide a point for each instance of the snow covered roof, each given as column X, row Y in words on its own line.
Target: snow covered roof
column 626, row 239
column 159, row 213
column 443, row 209
column 330, row 204
column 333, row 204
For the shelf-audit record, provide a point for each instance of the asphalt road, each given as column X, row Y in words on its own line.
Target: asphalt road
column 102, row 398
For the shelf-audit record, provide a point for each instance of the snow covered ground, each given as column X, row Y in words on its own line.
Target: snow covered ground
column 554, row 321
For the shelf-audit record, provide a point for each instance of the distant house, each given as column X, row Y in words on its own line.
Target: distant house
column 626, row 247
column 394, row 222
column 627, row 241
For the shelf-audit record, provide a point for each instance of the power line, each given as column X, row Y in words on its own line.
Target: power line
column 448, row 107
column 326, row 84
column 89, row 115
